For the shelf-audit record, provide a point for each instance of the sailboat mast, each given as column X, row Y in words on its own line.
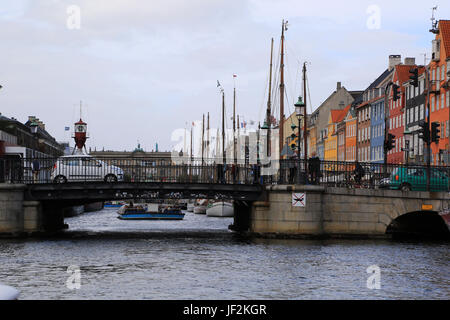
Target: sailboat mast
column 282, row 89
column 234, row 125
column 192, row 155
column 203, row 137
column 269, row 106
column 223, row 128
column 207, row 139
column 305, row 122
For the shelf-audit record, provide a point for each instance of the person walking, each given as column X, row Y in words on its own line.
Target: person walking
column 35, row 167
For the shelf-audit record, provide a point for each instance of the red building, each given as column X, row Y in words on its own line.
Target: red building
column 397, row 110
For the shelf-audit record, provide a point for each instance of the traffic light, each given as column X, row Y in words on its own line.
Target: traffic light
column 293, row 146
column 435, row 132
column 395, row 92
column 390, row 143
column 424, row 131
column 414, row 77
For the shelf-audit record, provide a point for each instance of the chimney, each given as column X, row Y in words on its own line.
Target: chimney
column 410, row 61
column 339, row 86
column 394, row 59
column 41, row 125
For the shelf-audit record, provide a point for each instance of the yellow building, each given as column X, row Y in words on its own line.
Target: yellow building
column 312, row 140
column 330, row 141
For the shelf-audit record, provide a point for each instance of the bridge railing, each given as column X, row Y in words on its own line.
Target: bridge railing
column 364, row 175
column 142, row 170
column 133, row 170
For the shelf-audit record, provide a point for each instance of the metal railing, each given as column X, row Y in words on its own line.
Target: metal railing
column 133, row 170
column 364, row 175
column 142, row 170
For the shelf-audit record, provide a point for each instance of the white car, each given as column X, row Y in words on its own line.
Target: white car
column 84, row 168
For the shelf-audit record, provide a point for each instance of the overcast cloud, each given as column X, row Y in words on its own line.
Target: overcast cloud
column 146, row 68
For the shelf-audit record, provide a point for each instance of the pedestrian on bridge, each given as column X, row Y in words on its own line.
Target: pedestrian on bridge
column 314, row 168
column 35, row 168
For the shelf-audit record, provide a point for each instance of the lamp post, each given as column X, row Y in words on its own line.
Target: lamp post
column 34, row 127
column 300, row 111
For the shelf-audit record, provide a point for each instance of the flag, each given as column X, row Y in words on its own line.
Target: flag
column 66, row 128
column 218, row 83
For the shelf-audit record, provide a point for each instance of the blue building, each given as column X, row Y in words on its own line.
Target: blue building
column 377, row 131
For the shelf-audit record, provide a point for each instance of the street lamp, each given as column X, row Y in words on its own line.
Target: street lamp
column 34, row 126
column 299, row 110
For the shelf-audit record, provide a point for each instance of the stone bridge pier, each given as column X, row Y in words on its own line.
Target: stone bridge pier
column 342, row 212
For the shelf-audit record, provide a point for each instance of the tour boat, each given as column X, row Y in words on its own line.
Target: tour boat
column 150, row 211
column 114, row 204
column 200, row 206
column 8, row 293
column 220, row 209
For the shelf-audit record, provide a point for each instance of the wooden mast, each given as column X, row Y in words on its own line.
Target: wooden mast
column 269, row 106
column 280, row 126
column 203, row 138
column 192, row 156
column 223, row 128
column 207, row 139
column 305, row 122
column 234, row 126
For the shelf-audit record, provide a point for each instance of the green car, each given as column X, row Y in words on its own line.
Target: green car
column 415, row 179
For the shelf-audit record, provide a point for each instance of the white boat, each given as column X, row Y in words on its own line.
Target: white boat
column 200, row 206
column 8, row 293
column 220, row 209
column 190, row 207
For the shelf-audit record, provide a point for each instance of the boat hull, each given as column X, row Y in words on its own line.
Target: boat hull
column 200, row 209
column 220, row 209
column 190, row 207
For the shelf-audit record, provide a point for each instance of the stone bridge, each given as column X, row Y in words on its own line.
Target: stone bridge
column 343, row 212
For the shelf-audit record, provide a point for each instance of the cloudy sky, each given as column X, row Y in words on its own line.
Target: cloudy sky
column 143, row 69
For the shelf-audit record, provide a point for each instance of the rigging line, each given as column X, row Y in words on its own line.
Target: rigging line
column 289, row 72
column 264, row 97
column 309, row 95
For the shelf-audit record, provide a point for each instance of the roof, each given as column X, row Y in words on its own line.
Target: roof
column 444, row 29
column 379, row 79
column 402, row 71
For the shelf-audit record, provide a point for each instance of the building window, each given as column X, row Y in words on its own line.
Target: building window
column 432, row 104
column 422, row 115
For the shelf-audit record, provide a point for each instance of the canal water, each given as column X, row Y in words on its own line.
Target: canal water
column 102, row 257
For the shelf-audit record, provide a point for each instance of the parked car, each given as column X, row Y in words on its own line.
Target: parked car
column 416, row 179
column 84, row 168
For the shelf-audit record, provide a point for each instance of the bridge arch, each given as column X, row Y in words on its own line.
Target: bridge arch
column 428, row 224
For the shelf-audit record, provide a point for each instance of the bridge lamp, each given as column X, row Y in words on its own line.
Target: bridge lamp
column 299, row 110
column 34, row 126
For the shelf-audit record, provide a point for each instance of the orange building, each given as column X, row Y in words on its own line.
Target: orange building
column 439, row 99
column 350, row 134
